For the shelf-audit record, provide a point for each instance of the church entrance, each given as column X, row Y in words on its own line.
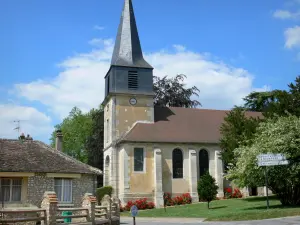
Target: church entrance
column 203, row 162
column 107, row 170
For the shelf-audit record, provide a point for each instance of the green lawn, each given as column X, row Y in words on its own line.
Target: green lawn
column 226, row 210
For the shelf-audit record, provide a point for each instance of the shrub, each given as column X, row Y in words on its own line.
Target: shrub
column 207, row 188
column 101, row 192
column 141, row 204
column 178, row 200
column 236, row 193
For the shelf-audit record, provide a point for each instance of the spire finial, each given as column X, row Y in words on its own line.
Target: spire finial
column 128, row 51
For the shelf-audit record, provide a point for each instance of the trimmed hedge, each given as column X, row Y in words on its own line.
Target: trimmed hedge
column 101, row 192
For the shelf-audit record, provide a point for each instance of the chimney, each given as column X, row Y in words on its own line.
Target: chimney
column 59, row 140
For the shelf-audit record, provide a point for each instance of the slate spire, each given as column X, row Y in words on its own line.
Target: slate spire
column 127, row 50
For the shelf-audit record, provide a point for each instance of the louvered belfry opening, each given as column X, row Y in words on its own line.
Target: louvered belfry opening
column 133, row 80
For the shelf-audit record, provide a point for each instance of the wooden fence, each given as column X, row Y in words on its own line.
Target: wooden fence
column 51, row 214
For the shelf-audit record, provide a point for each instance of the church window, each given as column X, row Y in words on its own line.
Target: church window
column 139, row 159
column 132, row 80
column 203, row 162
column 177, row 160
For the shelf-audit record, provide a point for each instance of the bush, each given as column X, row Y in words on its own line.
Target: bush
column 101, row 192
column 178, row 200
column 236, row 193
column 141, row 204
column 207, row 188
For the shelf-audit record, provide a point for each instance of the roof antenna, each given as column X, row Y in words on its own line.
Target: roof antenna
column 18, row 127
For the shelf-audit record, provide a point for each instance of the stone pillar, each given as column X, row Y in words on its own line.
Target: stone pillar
column 114, row 167
column 49, row 203
column 89, row 202
column 124, row 177
column 219, row 174
column 158, row 192
column 193, row 175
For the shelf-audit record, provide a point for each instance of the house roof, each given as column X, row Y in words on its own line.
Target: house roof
column 182, row 125
column 35, row 156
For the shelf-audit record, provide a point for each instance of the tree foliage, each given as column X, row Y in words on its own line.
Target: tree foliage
column 172, row 92
column 237, row 130
column 207, row 188
column 280, row 135
column 76, row 128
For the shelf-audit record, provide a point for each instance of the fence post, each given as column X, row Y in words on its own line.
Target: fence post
column 49, row 203
column 89, row 202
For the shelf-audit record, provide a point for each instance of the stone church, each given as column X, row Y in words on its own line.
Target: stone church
column 151, row 150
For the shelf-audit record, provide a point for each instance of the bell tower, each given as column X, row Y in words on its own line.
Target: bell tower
column 128, row 83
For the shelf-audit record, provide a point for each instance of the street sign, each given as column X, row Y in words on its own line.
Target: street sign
column 273, row 163
column 270, row 157
column 270, row 160
column 134, row 211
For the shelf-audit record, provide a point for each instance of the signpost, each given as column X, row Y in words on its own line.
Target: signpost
column 270, row 160
column 134, row 211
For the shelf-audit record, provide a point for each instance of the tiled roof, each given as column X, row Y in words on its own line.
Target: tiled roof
column 182, row 125
column 35, row 156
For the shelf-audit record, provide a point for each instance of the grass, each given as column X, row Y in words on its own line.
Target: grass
column 253, row 208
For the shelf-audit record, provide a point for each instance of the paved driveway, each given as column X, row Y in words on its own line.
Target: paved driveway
column 174, row 221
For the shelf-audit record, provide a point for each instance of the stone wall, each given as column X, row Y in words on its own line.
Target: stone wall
column 37, row 186
column 40, row 183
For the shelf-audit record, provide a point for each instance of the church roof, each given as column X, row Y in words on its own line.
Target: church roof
column 127, row 50
column 35, row 156
column 182, row 125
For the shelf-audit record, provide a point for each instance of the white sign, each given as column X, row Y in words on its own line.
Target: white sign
column 270, row 157
column 273, row 163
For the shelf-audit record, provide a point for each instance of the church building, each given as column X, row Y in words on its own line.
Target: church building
column 151, row 150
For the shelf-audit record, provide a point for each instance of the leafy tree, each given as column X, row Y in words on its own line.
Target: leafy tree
column 275, row 135
column 237, row 130
column 171, row 92
column 94, row 142
column 207, row 188
column 76, row 128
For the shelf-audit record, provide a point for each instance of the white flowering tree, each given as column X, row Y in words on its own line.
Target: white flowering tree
column 280, row 135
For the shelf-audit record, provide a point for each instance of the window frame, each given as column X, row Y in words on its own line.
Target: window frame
column 182, row 154
column 199, row 164
column 62, row 190
column 144, row 160
column 11, row 187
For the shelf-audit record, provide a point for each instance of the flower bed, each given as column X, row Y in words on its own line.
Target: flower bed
column 236, row 193
column 141, row 204
column 178, row 200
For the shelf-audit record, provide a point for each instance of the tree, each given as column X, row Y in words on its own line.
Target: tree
column 280, row 135
column 76, row 128
column 94, row 142
column 171, row 92
column 237, row 130
column 207, row 188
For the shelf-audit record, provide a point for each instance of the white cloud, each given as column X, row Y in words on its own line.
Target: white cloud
column 286, row 14
column 32, row 122
column 81, row 82
column 96, row 27
column 292, row 37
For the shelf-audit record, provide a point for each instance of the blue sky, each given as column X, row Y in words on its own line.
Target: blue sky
column 53, row 50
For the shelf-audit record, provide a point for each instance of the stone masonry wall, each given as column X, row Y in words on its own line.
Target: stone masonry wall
column 86, row 184
column 40, row 183
column 37, row 185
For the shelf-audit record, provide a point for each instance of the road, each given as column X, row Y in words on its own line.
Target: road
column 174, row 221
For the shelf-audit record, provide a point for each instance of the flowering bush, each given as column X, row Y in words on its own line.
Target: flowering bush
column 178, row 200
column 140, row 204
column 236, row 193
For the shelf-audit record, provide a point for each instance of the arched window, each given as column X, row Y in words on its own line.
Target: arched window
column 177, row 159
column 203, row 162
